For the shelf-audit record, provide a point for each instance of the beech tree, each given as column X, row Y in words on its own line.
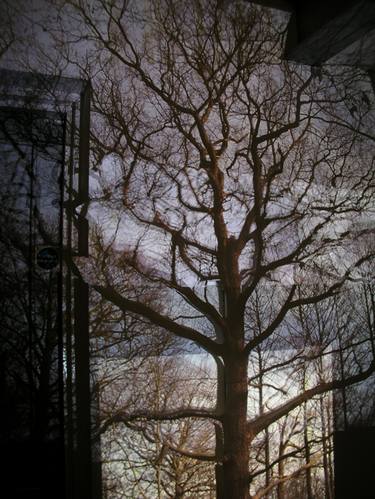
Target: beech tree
column 218, row 162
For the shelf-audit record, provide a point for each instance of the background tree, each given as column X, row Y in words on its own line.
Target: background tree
column 155, row 458
column 226, row 164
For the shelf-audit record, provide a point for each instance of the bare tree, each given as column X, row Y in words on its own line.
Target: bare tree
column 156, row 458
column 227, row 165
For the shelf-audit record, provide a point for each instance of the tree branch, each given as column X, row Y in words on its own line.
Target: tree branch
column 200, row 456
column 286, row 478
column 274, row 324
column 169, row 415
column 259, row 423
column 144, row 310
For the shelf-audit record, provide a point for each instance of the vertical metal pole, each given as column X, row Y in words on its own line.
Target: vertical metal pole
column 59, row 315
column 82, row 384
column 83, row 173
column 69, row 432
column 84, row 144
column 31, row 173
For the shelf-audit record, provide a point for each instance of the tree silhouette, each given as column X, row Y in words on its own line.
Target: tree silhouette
column 216, row 161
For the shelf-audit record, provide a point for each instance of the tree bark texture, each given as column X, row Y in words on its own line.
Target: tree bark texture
column 236, row 439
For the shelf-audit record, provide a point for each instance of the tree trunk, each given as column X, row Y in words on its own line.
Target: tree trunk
column 236, row 439
column 261, row 412
column 309, row 492
column 281, row 467
column 281, row 485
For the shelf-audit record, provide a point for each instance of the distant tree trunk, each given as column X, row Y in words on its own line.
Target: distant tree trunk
column 309, row 493
column 325, row 436
column 267, row 458
column 281, row 466
column 329, row 418
column 179, row 493
column 261, row 411
column 236, row 439
column 281, row 485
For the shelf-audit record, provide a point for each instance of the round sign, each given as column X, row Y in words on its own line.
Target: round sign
column 47, row 258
